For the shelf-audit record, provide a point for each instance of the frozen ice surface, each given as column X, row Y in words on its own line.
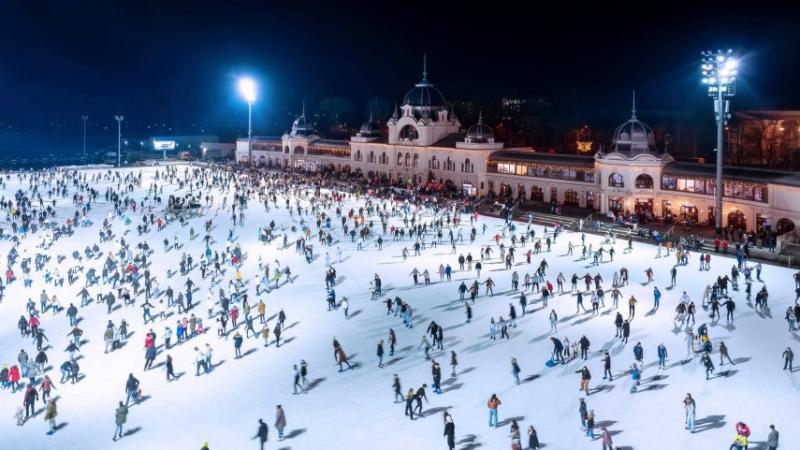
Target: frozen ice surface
column 355, row 409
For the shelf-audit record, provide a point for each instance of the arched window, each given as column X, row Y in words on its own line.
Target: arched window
column 298, row 150
column 617, row 180
column 643, row 181
column 408, row 159
column 286, row 149
column 409, row 133
column 467, row 166
column 399, row 159
column 358, row 155
column 384, row 158
column 416, row 160
column 371, row 157
column 433, row 164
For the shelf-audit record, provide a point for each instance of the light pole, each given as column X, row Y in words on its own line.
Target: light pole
column 247, row 87
column 719, row 74
column 85, row 118
column 119, row 120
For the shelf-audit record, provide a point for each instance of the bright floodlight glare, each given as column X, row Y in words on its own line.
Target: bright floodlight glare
column 719, row 70
column 247, row 87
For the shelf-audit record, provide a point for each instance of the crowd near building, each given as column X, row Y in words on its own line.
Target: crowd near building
column 423, row 145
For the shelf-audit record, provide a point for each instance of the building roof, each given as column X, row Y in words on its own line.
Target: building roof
column 277, row 139
column 543, row 158
column 740, row 173
column 768, row 114
column 449, row 140
column 330, row 143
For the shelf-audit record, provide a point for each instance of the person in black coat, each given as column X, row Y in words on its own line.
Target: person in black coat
column 170, row 369
column 533, row 439
column 449, row 431
column 263, row 433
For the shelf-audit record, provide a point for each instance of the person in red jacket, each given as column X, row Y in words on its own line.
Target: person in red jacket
column 33, row 322
column 46, row 387
column 13, row 377
column 234, row 315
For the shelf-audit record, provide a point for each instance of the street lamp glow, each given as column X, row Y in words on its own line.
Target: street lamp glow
column 247, row 87
column 719, row 71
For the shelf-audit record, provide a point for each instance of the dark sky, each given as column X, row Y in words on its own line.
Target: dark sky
column 177, row 61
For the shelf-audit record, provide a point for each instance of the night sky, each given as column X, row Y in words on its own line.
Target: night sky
column 177, row 62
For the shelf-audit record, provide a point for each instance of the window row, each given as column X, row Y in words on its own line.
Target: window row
column 742, row 190
column 542, row 171
column 334, row 152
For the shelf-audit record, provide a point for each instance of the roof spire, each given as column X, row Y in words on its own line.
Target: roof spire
column 370, row 115
column 633, row 110
column 304, row 108
column 480, row 117
column 425, row 67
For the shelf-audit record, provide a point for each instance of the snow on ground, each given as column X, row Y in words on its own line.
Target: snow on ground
column 355, row 409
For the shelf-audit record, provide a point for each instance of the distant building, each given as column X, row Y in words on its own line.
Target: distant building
column 182, row 143
column 217, row 150
column 426, row 147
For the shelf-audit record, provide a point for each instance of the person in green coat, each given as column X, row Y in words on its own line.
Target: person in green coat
column 120, row 416
column 50, row 415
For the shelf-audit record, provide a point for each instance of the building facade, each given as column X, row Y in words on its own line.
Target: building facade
column 423, row 144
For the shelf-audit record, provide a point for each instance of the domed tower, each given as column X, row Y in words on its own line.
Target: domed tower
column 479, row 136
column 369, row 131
column 297, row 140
column 630, row 172
column 301, row 126
column 479, row 133
column 633, row 137
column 424, row 117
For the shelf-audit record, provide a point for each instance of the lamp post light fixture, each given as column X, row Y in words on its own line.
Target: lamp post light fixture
column 247, row 87
column 719, row 71
column 119, row 120
column 85, row 118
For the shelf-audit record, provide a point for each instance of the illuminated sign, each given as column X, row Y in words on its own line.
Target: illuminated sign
column 163, row 145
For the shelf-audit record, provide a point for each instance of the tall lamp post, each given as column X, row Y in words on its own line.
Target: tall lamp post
column 119, row 120
column 247, row 87
column 85, row 118
column 719, row 70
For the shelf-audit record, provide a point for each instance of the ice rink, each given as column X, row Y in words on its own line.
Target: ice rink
column 354, row 409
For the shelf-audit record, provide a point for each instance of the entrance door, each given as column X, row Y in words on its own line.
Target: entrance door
column 644, row 206
column 689, row 213
column 737, row 220
column 616, row 204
